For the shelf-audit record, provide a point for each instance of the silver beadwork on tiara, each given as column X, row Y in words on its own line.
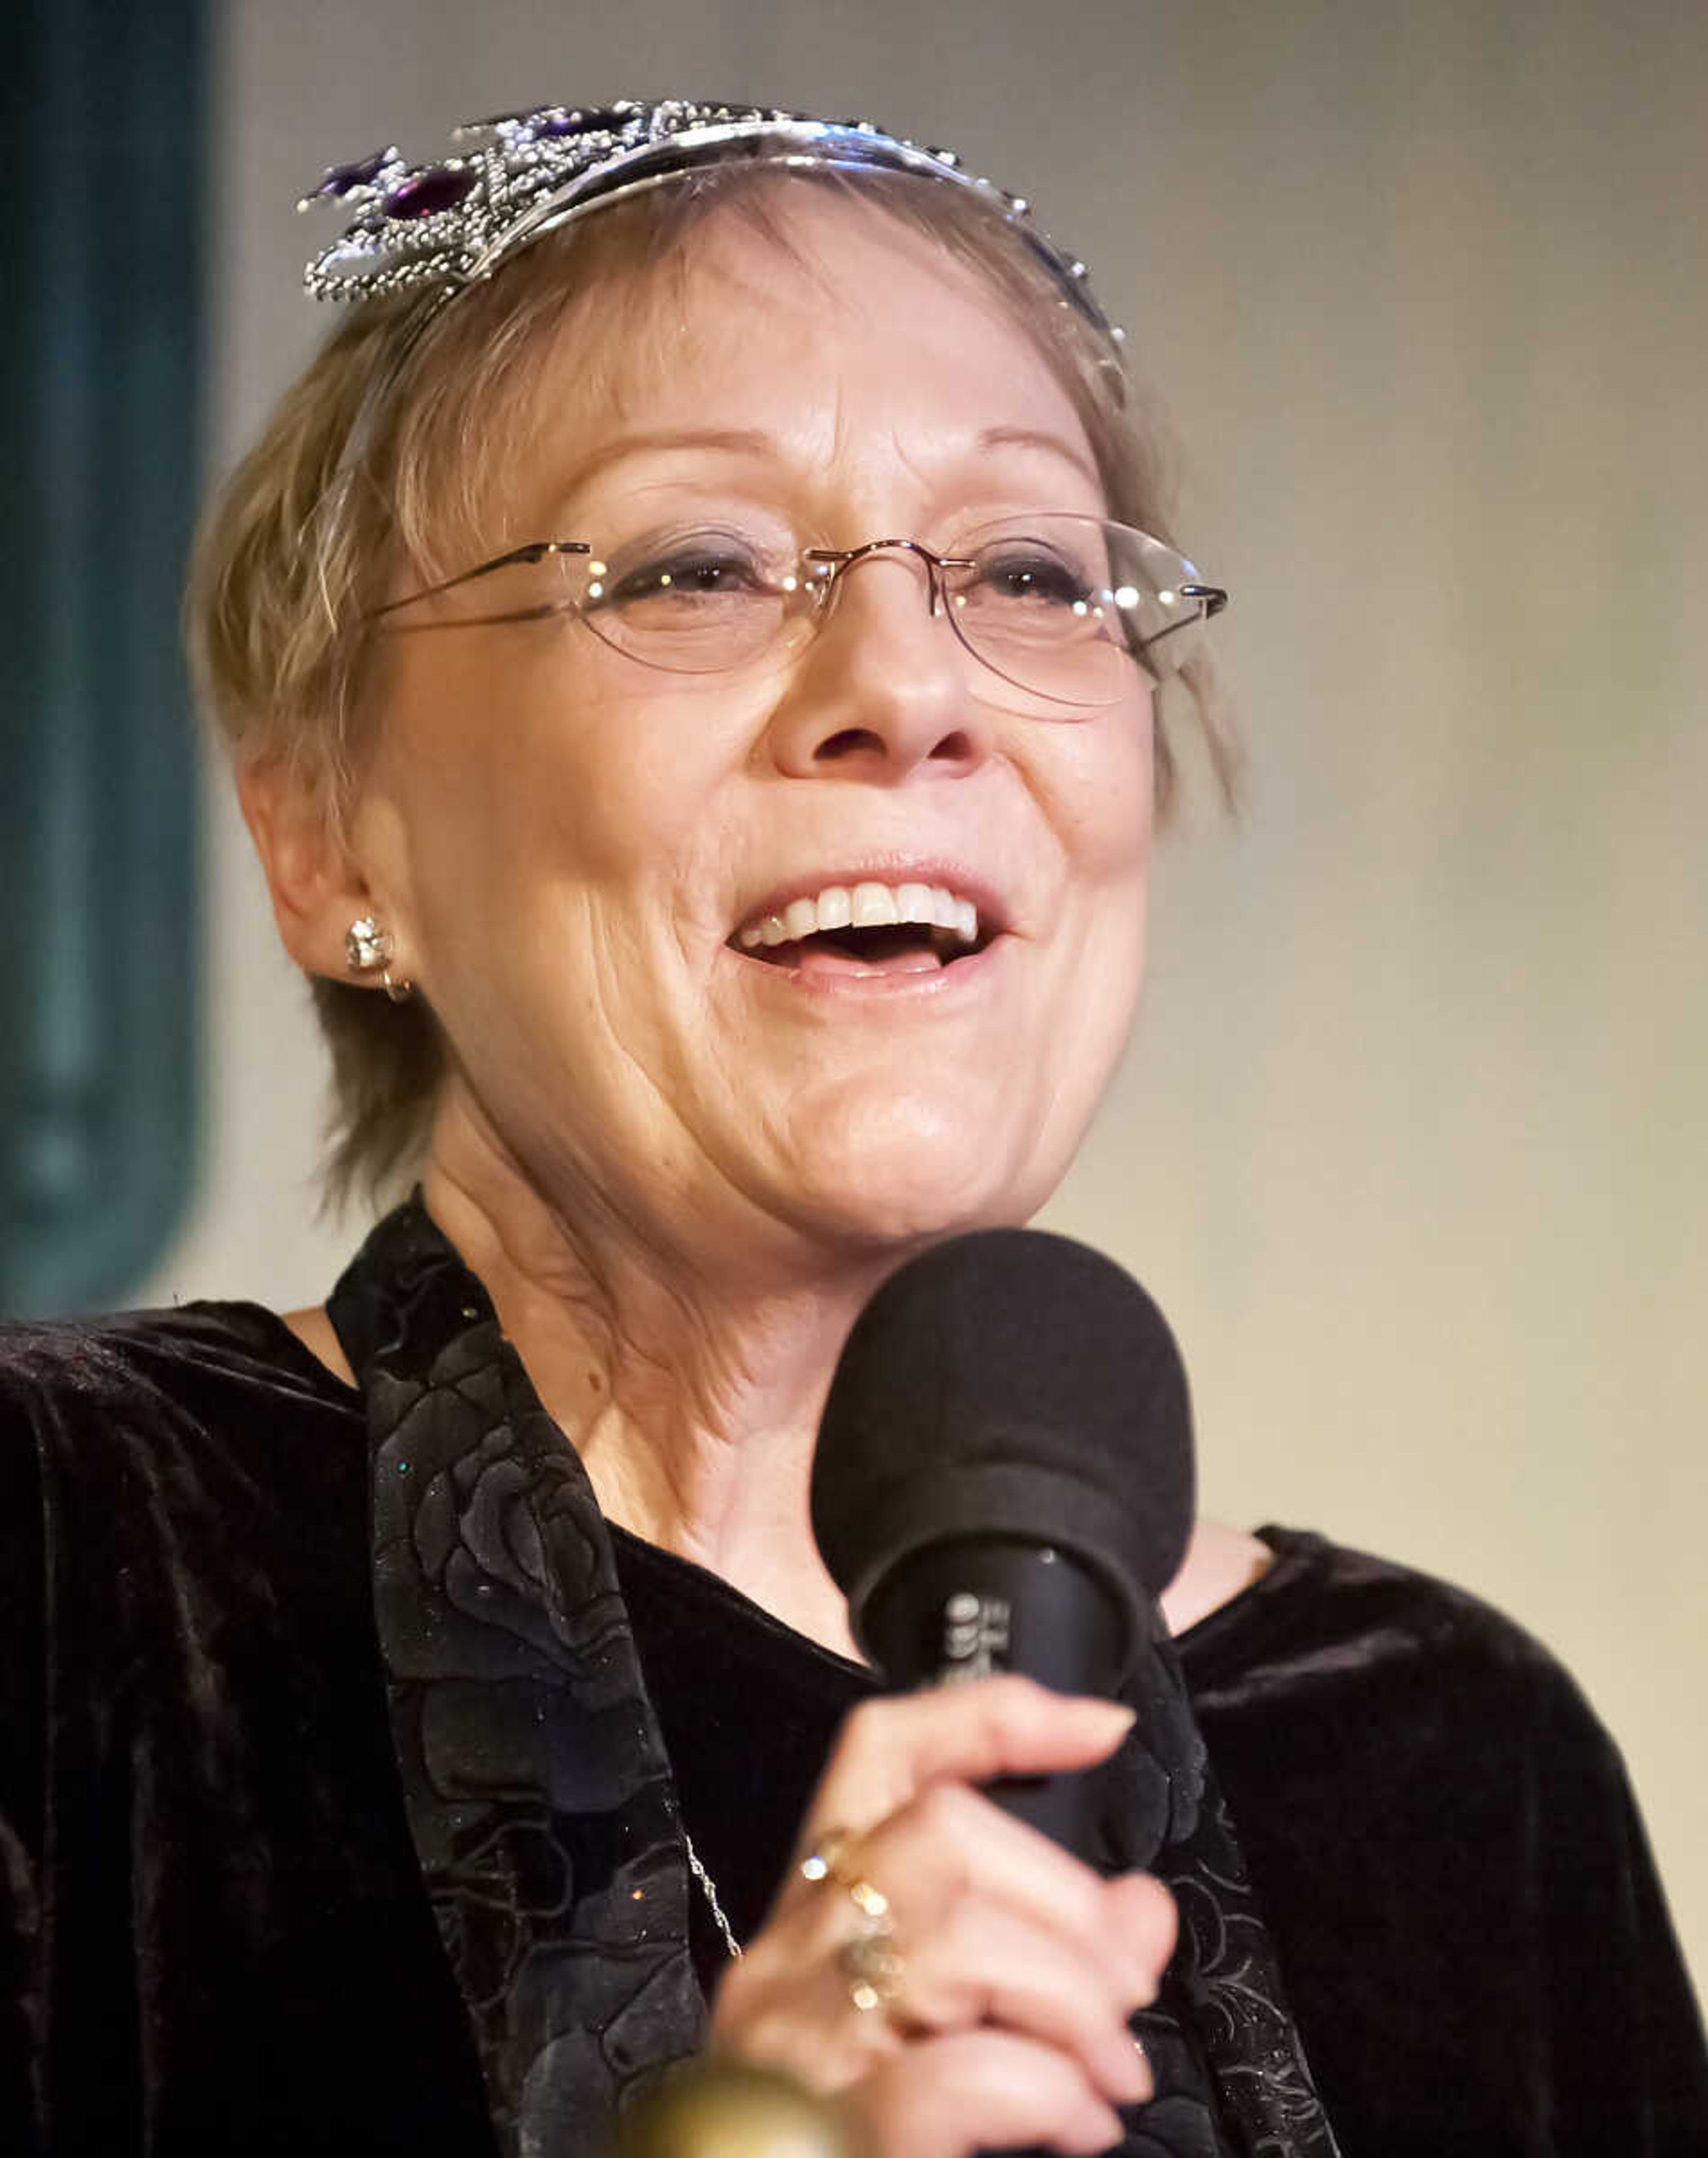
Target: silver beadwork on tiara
column 442, row 227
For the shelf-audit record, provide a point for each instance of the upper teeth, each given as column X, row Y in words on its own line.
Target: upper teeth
column 864, row 907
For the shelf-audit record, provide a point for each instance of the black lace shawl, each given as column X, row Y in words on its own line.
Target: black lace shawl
column 539, row 1790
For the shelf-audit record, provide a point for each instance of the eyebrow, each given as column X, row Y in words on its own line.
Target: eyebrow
column 754, row 441
column 1033, row 438
column 733, row 441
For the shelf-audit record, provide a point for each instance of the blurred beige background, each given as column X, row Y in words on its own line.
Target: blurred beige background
column 1412, row 1145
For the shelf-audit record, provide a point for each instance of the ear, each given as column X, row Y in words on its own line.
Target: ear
column 318, row 888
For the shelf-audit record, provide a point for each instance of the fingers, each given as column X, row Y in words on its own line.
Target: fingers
column 1143, row 1912
column 990, row 1968
column 948, row 1844
column 1006, row 1969
column 889, row 1750
column 982, row 2090
column 964, row 1956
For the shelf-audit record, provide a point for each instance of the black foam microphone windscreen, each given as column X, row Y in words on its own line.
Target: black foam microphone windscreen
column 1007, row 1389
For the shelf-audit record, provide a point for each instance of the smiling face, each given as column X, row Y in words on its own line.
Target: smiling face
column 623, row 890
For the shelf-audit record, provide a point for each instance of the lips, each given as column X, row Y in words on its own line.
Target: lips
column 864, row 927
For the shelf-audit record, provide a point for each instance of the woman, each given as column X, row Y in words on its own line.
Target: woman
column 689, row 645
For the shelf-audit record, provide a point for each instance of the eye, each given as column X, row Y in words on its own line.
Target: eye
column 1020, row 573
column 689, row 570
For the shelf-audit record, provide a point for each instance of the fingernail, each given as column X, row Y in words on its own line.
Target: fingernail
column 1126, row 2071
column 1138, row 2082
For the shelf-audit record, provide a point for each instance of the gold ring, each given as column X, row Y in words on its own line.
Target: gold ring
column 869, row 1960
column 823, row 1862
column 829, row 1861
column 870, row 1964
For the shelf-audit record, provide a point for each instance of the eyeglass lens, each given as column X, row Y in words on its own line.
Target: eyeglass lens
column 1058, row 607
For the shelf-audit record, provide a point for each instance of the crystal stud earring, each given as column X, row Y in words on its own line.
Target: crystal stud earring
column 368, row 948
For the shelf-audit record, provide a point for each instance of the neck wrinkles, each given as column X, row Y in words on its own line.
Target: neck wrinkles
column 690, row 1390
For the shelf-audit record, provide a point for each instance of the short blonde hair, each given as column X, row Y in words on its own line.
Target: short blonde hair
column 373, row 464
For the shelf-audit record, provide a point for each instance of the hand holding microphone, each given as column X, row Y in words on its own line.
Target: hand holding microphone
column 1017, row 1966
column 1003, row 1485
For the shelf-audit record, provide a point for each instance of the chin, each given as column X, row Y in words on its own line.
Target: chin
column 901, row 1172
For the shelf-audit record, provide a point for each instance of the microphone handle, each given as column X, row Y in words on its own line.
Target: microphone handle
column 965, row 1608
column 973, row 1605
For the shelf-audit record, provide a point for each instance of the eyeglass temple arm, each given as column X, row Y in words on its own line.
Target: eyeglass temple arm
column 534, row 550
column 1213, row 599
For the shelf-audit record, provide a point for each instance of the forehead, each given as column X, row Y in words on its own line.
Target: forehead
column 844, row 336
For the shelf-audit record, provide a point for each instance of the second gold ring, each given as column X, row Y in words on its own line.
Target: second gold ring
column 869, row 1960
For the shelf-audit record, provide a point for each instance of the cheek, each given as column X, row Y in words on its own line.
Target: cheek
column 1105, row 792
column 512, row 793
column 1106, row 812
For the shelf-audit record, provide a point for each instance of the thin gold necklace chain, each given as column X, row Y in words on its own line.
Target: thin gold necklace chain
column 696, row 1865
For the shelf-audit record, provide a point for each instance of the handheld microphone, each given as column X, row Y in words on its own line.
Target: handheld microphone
column 1004, row 1479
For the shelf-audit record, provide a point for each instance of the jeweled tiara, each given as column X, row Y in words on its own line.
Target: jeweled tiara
column 444, row 226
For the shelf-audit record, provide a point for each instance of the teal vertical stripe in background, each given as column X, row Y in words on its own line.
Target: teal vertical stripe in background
column 99, row 385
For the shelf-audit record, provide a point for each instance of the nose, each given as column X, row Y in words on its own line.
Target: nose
column 881, row 692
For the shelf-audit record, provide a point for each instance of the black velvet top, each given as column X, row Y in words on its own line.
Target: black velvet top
column 214, row 1932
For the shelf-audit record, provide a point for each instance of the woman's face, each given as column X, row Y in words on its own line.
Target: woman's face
column 571, row 843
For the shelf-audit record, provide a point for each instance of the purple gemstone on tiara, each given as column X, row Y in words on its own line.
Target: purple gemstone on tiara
column 344, row 180
column 441, row 187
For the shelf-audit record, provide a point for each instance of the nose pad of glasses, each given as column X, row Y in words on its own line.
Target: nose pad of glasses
column 831, row 568
column 954, row 745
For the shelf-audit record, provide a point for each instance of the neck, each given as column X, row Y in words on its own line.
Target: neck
column 691, row 1391
column 694, row 1413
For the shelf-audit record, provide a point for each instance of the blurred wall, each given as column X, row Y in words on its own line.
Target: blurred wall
column 1411, row 1142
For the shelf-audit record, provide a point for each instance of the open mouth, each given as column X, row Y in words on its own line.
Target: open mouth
column 867, row 929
